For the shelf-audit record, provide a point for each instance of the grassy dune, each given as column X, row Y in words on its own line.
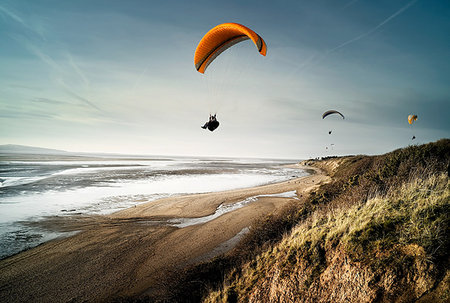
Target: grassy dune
column 396, row 241
column 377, row 232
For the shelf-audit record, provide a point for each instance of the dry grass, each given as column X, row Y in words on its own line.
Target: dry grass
column 377, row 208
column 416, row 213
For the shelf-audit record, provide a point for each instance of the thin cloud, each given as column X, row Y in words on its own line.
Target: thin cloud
column 13, row 16
column 86, row 101
column 137, row 82
column 49, row 101
column 77, row 69
column 25, row 115
column 318, row 58
column 400, row 11
column 53, row 64
column 33, row 49
column 37, row 30
column 350, row 3
column 28, row 87
column 78, row 97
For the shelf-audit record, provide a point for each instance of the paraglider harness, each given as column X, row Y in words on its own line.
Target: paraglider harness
column 212, row 124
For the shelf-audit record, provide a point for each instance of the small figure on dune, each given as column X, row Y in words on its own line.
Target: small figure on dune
column 212, row 124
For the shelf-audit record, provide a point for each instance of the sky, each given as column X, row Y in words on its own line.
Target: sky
column 119, row 77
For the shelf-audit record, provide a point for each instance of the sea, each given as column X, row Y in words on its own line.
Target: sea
column 37, row 187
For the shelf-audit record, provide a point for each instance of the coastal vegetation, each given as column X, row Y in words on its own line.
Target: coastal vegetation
column 378, row 231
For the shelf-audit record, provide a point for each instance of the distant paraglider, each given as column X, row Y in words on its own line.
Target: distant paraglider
column 330, row 112
column 411, row 120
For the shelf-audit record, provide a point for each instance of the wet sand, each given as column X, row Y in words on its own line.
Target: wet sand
column 131, row 252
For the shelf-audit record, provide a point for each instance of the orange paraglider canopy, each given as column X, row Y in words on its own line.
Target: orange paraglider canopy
column 222, row 37
column 412, row 118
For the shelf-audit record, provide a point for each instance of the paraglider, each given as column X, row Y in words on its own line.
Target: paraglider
column 219, row 39
column 412, row 118
column 215, row 42
column 329, row 112
column 212, row 124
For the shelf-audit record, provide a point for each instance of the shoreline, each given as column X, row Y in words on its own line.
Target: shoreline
column 127, row 253
column 102, row 188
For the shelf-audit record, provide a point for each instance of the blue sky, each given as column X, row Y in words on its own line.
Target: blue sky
column 118, row 76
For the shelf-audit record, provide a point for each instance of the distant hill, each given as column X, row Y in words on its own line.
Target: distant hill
column 23, row 149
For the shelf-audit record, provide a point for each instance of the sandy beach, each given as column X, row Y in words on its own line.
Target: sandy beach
column 131, row 252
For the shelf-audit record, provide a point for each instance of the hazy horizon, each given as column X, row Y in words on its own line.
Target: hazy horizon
column 39, row 150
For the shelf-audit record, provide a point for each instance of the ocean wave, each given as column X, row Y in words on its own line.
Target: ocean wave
column 15, row 181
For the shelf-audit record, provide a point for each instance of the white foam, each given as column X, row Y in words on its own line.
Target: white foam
column 92, row 170
column 14, row 181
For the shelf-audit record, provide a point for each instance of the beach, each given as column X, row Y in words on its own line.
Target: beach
column 35, row 189
column 132, row 252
